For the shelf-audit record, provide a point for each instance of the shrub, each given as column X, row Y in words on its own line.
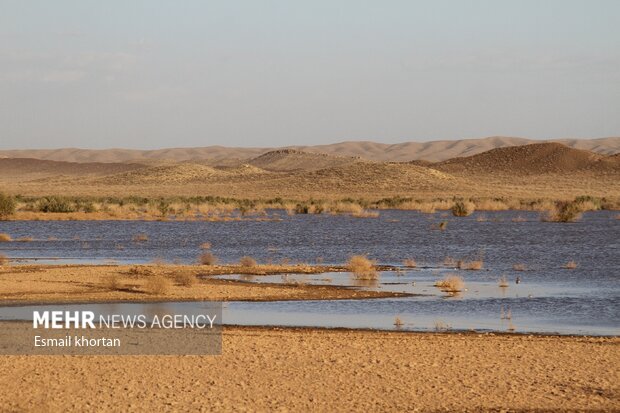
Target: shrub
column 54, row 204
column 471, row 265
column 410, row 263
column 185, row 279
column 362, row 267
column 207, row 259
column 5, row 237
column 451, row 284
column 462, row 208
column 247, row 262
column 112, row 282
column 157, row 285
column 140, row 238
column 563, row 212
column 7, row 206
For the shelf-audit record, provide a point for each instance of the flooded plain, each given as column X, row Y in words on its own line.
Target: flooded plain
column 511, row 244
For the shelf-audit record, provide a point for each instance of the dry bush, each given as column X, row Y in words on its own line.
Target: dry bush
column 362, row 267
column 410, row 263
column 5, row 237
column 451, row 284
column 365, row 214
column 140, row 270
column 563, row 212
column 571, row 265
column 185, row 279
column 157, row 285
column 4, row 260
column 450, row 262
column 207, row 259
column 247, row 262
column 503, row 281
column 112, row 282
column 470, row 265
column 491, row 205
column 519, row 267
column 463, row 208
column 140, row 238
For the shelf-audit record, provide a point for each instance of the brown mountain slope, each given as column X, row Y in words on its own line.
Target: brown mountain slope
column 27, row 167
column 402, row 152
column 293, row 160
column 531, row 159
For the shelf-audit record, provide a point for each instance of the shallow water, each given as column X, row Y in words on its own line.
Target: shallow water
column 550, row 298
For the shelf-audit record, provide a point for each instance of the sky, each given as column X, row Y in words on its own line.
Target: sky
column 153, row 73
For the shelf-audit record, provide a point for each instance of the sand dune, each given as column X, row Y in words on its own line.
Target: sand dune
column 532, row 159
column 401, row 152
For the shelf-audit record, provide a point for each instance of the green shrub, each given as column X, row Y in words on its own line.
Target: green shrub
column 7, row 206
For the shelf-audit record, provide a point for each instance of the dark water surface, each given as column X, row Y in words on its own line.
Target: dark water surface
column 549, row 298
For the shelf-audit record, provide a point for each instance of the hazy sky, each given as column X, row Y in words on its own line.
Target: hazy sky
column 148, row 74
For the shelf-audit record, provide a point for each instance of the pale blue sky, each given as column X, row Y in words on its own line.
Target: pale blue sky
column 149, row 74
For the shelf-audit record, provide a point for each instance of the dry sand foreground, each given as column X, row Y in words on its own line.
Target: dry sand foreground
column 330, row 370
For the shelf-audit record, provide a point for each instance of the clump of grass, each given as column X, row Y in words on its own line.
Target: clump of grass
column 207, row 259
column 185, row 279
column 112, row 282
column 140, row 270
column 362, row 267
column 451, row 284
column 5, row 237
column 410, row 263
column 140, row 238
column 519, row 267
column 4, row 260
column 503, row 281
column 441, row 326
column 571, row 265
column 450, row 262
column 462, row 208
column 247, row 262
column 470, row 265
column 563, row 212
column 7, row 206
column 157, row 285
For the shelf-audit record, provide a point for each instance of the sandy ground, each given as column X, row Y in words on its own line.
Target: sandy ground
column 101, row 283
column 329, row 370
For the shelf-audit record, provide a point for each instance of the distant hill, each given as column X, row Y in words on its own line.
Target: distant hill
column 433, row 151
column 22, row 167
column 292, row 160
column 538, row 158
